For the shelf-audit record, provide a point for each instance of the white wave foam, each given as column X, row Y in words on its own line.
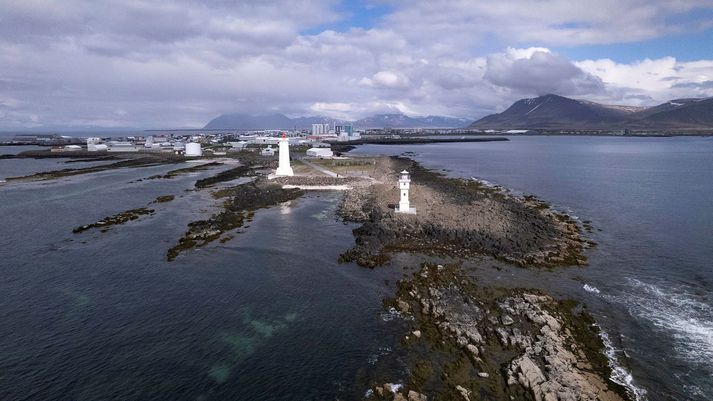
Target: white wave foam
column 591, row 288
column 673, row 309
column 374, row 358
column 390, row 314
column 395, row 387
column 619, row 375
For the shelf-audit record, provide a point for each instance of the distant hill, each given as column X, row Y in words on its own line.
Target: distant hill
column 403, row 121
column 280, row 121
column 246, row 121
column 558, row 112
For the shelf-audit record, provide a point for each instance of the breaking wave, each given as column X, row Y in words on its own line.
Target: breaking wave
column 673, row 309
column 619, row 375
column 591, row 288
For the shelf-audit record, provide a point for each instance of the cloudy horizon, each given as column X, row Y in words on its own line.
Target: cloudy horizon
column 158, row 64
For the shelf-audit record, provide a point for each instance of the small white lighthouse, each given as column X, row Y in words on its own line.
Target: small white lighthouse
column 284, row 168
column 404, row 184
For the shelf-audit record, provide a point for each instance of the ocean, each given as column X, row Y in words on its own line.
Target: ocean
column 271, row 315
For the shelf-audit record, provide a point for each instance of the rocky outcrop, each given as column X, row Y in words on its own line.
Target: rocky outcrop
column 503, row 344
column 119, row 218
column 394, row 392
column 243, row 201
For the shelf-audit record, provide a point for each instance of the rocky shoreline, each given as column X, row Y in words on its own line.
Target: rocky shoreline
column 458, row 218
column 119, row 218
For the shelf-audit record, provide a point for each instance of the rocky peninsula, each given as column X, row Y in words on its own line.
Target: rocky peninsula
column 469, row 341
column 458, row 218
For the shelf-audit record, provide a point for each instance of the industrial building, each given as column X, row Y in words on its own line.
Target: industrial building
column 320, row 152
column 116, row 146
column 320, row 129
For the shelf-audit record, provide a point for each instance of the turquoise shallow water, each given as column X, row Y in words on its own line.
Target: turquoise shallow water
column 650, row 281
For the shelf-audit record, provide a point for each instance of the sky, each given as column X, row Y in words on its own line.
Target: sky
column 177, row 64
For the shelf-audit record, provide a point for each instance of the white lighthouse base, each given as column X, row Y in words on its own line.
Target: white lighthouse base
column 405, row 210
column 284, row 172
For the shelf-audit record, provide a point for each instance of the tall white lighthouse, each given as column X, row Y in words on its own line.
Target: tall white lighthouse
column 284, row 168
column 404, row 184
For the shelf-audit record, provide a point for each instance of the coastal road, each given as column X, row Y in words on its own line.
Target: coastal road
column 319, row 168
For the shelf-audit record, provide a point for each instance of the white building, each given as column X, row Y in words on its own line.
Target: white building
column 115, row 146
column 238, row 145
column 268, row 151
column 320, row 152
column 284, row 168
column 404, row 184
column 266, row 140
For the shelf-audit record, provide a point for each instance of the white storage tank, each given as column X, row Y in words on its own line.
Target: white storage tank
column 95, row 145
column 194, row 149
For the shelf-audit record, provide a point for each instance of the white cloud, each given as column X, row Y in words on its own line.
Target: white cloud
column 650, row 81
column 539, row 71
column 387, row 79
column 178, row 64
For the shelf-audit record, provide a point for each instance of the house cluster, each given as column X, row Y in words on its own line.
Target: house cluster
column 196, row 143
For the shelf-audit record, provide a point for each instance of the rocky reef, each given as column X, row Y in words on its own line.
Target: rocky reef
column 119, row 218
column 241, row 203
column 175, row 173
column 471, row 342
column 251, row 165
column 130, row 162
column 164, row 198
column 457, row 218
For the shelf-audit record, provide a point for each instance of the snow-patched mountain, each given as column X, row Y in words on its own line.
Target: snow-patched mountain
column 280, row 121
column 266, row 121
column 558, row 112
column 404, row 121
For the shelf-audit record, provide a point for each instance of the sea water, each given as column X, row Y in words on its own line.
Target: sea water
column 268, row 315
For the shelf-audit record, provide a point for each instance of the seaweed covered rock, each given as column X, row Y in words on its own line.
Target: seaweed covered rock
column 491, row 343
column 242, row 201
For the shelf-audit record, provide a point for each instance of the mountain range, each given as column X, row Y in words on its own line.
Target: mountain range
column 553, row 112
column 280, row 121
column 548, row 112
